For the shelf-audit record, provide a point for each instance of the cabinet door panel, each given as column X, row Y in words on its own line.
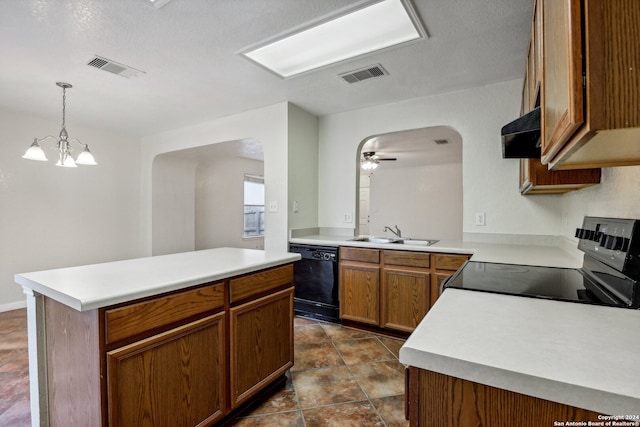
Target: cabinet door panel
column 359, row 293
column 405, row 298
column 172, row 379
column 562, row 87
column 261, row 343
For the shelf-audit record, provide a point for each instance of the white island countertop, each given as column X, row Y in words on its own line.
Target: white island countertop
column 94, row 286
column 577, row 354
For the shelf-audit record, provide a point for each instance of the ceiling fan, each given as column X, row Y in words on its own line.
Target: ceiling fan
column 370, row 160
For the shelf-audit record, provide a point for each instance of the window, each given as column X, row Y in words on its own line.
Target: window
column 253, row 205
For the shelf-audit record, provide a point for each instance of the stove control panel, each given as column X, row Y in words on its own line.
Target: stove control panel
column 614, row 241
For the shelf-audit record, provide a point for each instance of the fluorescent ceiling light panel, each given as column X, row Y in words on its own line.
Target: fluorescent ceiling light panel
column 158, row 3
column 378, row 26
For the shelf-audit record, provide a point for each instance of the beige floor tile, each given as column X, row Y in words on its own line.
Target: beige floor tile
column 315, row 355
column 380, row 379
column 287, row 419
column 355, row 414
column 392, row 344
column 325, row 386
column 363, row 350
column 338, row 332
column 391, row 409
column 311, row 333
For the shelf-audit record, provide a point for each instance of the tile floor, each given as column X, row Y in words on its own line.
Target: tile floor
column 342, row 377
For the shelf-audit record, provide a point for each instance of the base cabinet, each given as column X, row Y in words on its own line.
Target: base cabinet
column 171, row 379
column 186, row 358
column 391, row 289
column 435, row 399
column 261, row 343
column 406, row 297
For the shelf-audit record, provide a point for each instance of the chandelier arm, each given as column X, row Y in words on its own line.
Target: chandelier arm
column 76, row 140
column 46, row 137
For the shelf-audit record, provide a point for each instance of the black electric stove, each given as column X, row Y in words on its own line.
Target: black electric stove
column 609, row 275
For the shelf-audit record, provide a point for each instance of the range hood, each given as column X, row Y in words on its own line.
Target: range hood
column 521, row 137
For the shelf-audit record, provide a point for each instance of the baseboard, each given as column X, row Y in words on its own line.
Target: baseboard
column 13, row 306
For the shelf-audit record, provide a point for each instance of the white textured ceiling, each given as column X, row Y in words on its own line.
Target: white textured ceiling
column 188, row 49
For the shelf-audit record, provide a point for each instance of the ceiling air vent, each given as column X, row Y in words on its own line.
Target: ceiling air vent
column 441, row 141
column 366, row 73
column 114, row 67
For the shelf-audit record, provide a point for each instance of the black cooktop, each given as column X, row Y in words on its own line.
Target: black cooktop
column 562, row 284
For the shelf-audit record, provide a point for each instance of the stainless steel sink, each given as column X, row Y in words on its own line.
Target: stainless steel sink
column 396, row 240
column 372, row 239
column 419, row 242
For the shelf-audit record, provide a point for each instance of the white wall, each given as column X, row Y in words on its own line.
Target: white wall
column 219, row 203
column 54, row 217
column 303, row 168
column 267, row 125
column 617, row 196
column 490, row 183
column 173, row 218
column 424, row 201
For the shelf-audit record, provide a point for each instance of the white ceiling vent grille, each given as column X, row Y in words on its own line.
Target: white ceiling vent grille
column 366, row 73
column 114, row 67
column 441, row 141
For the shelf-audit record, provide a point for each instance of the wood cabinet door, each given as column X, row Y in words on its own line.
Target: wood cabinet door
column 360, row 292
column 405, row 297
column 562, row 81
column 261, row 333
column 176, row 378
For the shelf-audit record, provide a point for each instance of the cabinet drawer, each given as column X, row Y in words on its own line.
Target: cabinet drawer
column 359, row 254
column 406, row 258
column 134, row 319
column 449, row 262
column 260, row 283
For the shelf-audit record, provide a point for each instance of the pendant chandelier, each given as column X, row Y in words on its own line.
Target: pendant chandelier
column 63, row 145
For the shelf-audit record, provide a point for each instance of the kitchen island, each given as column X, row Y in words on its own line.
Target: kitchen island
column 533, row 350
column 182, row 339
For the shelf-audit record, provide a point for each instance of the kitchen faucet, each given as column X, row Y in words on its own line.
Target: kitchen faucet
column 398, row 233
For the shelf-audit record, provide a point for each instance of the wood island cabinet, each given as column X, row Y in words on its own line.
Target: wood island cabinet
column 170, row 379
column 435, row 399
column 391, row 289
column 186, row 358
column 590, row 83
column 261, row 343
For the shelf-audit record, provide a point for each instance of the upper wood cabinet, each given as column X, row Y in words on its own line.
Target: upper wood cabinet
column 590, row 93
column 536, row 178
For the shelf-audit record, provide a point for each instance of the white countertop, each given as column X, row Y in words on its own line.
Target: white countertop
column 577, row 354
column 549, row 256
column 93, row 286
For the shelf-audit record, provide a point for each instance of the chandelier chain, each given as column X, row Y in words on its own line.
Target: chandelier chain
column 64, row 102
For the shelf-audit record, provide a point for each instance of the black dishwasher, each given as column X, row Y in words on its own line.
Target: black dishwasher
column 315, row 278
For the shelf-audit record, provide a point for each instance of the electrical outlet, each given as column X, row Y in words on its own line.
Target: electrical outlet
column 273, row 206
column 480, row 218
column 296, row 206
column 348, row 217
